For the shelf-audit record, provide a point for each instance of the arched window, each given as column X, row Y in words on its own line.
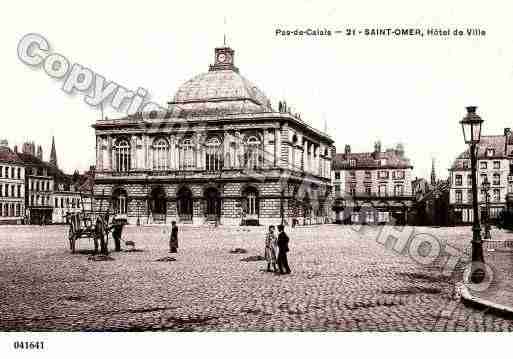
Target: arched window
column 213, row 156
column 187, row 155
column 253, row 158
column 122, row 156
column 160, row 155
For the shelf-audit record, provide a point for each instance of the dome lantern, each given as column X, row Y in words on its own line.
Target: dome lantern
column 223, row 60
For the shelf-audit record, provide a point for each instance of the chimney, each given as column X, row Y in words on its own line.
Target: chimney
column 25, row 148
column 507, row 131
column 347, row 149
column 377, row 147
column 399, row 149
column 39, row 152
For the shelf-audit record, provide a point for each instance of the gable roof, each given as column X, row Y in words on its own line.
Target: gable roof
column 9, row 156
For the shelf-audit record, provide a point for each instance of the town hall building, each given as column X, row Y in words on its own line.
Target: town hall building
column 219, row 154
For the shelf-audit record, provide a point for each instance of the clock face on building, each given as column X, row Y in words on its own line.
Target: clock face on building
column 221, row 57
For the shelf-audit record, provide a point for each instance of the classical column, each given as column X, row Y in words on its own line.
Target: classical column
column 145, row 151
column 277, row 146
column 99, row 153
column 133, row 152
column 226, row 149
column 110, row 150
column 172, row 160
column 238, row 144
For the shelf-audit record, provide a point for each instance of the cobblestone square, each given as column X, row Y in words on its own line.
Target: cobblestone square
column 342, row 279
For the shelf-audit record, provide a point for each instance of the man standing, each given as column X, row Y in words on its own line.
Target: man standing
column 283, row 248
column 117, row 229
column 173, row 240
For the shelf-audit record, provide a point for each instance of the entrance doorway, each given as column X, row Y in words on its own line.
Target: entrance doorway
column 213, row 204
column 158, row 204
column 184, row 205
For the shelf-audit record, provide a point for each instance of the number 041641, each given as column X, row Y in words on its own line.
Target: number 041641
column 26, row 345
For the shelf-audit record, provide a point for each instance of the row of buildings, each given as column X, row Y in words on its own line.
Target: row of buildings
column 33, row 190
column 220, row 153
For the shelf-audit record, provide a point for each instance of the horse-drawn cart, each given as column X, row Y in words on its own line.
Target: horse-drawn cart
column 94, row 226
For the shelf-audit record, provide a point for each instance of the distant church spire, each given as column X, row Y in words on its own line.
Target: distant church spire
column 433, row 175
column 53, row 153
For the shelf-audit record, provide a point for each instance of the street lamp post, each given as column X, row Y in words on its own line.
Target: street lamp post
column 471, row 126
column 486, row 190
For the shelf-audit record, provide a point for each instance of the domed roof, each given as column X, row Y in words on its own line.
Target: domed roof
column 221, row 90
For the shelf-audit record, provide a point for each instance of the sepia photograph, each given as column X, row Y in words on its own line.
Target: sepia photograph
column 285, row 178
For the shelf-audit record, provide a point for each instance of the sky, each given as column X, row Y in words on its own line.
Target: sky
column 408, row 90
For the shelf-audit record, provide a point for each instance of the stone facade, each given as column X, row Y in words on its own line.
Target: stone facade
column 372, row 187
column 494, row 162
column 219, row 154
column 12, row 186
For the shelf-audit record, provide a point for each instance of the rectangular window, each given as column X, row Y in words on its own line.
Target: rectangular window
column 12, row 172
column 1, row 169
column 469, row 196
column 6, row 172
column 490, row 152
column 383, row 174
column 496, row 165
column 496, row 179
column 459, row 197
column 19, row 173
column 337, row 189
column 352, row 163
column 469, row 180
column 56, row 200
column 483, row 165
column 383, row 217
column 19, row 190
column 496, row 195
column 352, row 189
column 18, row 211
column 458, row 180
column 482, row 179
column 369, row 217
column 337, row 175
column 368, row 175
column 368, row 190
column 352, row 174
column 382, row 190
column 398, row 190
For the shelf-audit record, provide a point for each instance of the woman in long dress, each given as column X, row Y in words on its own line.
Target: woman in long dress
column 270, row 249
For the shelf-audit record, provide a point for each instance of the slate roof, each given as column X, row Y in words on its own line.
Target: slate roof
column 8, row 156
column 30, row 160
column 496, row 142
column 370, row 160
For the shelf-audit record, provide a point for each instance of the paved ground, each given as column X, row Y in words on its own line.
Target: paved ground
column 499, row 256
column 342, row 280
